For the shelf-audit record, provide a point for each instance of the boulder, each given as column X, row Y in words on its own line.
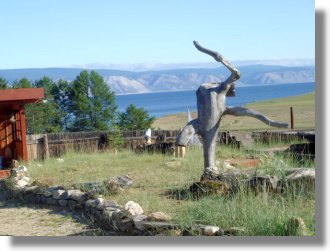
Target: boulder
column 139, row 220
column 300, row 180
column 122, row 221
column 296, row 227
column 20, row 171
column 124, row 181
column 263, row 183
column 211, row 230
column 59, row 194
column 72, row 204
column 235, row 231
column 77, row 195
column 91, row 203
column 63, row 203
column 30, row 189
column 113, row 187
column 21, row 183
column 158, row 216
column 133, row 208
column 208, row 187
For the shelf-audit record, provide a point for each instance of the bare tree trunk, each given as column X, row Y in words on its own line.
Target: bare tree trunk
column 241, row 111
column 211, row 105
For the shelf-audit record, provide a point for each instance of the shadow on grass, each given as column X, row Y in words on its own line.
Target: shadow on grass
column 182, row 193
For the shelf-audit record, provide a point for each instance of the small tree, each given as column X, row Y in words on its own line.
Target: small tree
column 135, row 119
column 92, row 103
column 22, row 83
column 44, row 117
column 3, row 83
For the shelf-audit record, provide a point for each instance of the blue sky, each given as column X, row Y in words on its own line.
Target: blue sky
column 62, row 33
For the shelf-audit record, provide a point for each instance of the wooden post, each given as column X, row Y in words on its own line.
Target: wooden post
column 45, row 147
column 291, row 118
column 180, row 151
column 23, row 134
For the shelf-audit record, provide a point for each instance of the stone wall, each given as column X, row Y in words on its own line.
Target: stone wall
column 107, row 214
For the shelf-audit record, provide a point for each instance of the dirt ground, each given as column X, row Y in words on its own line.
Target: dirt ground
column 22, row 220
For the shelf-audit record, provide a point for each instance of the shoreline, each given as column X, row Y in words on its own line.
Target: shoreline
column 237, row 86
column 249, row 103
column 277, row 109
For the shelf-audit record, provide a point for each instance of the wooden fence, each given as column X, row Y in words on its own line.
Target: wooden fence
column 43, row 146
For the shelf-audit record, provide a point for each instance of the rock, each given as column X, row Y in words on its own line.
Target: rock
column 158, row 226
column 43, row 199
column 72, row 204
column 90, row 203
column 263, row 183
column 63, row 203
column 21, row 183
column 117, row 184
column 296, row 227
column 226, row 166
column 14, row 164
column 297, row 173
column 107, row 215
column 133, row 208
column 77, row 195
column 211, row 230
column 236, row 231
column 158, row 216
column 124, row 181
column 138, row 221
column 20, row 171
column 113, row 187
column 122, row 221
column 51, row 201
column 208, row 187
column 300, row 180
column 99, row 200
column 37, row 198
column 29, row 198
column 30, row 189
column 60, row 194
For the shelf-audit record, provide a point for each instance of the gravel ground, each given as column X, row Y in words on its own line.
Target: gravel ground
column 22, row 220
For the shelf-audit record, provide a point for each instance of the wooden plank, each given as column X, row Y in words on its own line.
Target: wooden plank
column 27, row 95
column 4, row 174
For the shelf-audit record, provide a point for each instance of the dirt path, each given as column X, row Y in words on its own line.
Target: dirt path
column 22, row 220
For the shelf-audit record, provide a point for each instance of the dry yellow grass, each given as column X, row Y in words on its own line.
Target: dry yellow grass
column 276, row 109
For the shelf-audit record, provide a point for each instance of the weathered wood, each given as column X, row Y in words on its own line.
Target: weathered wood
column 45, row 147
column 241, row 111
column 291, row 118
column 211, row 105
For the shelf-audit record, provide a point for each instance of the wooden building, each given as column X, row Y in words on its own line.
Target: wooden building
column 13, row 123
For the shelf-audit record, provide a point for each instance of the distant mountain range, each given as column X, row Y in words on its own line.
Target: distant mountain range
column 124, row 82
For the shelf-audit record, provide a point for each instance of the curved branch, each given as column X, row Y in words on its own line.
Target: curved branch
column 241, row 111
column 235, row 74
column 187, row 133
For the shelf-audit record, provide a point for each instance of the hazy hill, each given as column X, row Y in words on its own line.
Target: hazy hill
column 173, row 80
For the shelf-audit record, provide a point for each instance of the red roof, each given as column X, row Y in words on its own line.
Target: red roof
column 24, row 95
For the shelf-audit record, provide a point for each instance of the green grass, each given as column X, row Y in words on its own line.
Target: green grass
column 161, row 183
column 262, row 215
column 276, row 109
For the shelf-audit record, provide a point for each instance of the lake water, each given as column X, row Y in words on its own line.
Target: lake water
column 165, row 103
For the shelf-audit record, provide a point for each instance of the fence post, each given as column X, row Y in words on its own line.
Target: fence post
column 45, row 147
column 291, row 118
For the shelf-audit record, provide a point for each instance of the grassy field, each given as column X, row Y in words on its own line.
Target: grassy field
column 160, row 179
column 161, row 182
column 276, row 109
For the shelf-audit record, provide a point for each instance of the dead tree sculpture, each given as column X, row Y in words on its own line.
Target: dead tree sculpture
column 211, row 106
